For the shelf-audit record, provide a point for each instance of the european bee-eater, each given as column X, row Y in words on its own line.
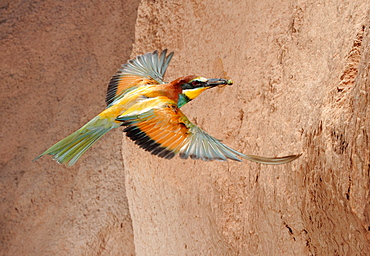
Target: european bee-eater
column 149, row 108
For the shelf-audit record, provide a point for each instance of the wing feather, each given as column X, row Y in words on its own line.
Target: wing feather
column 165, row 131
column 146, row 69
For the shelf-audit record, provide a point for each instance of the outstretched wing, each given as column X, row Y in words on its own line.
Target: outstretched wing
column 165, row 131
column 144, row 69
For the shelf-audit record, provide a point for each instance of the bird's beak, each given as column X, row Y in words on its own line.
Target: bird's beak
column 213, row 82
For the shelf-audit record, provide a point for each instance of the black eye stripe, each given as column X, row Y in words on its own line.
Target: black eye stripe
column 197, row 83
column 193, row 84
column 187, row 86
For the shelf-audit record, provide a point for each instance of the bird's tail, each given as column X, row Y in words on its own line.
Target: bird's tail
column 270, row 160
column 69, row 150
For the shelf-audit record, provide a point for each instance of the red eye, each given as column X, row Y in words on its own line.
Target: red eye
column 195, row 83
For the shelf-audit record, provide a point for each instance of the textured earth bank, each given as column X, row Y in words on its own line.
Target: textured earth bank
column 56, row 58
column 301, row 73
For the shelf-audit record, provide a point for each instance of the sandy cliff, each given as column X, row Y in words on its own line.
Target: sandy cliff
column 301, row 85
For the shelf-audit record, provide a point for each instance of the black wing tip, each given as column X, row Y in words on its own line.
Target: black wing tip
column 146, row 143
column 170, row 54
column 165, row 55
column 156, row 52
column 112, row 89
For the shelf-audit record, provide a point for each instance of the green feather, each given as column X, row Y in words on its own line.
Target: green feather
column 183, row 99
column 70, row 149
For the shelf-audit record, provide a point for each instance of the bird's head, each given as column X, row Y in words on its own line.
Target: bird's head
column 193, row 86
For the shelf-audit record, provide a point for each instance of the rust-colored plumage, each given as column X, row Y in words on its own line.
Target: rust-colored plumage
column 149, row 109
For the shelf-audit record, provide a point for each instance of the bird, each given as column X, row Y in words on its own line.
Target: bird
column 149, row 110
